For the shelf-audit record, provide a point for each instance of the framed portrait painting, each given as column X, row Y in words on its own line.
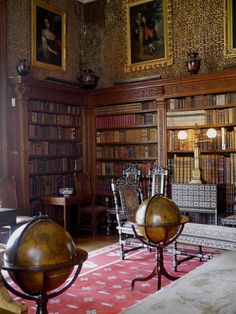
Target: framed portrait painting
column 48, row 36
column 230, row 28
column 149, row 34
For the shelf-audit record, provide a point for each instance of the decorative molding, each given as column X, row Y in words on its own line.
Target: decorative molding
column 86, row 1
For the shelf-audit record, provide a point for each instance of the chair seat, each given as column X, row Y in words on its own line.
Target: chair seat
column 229, row 221
column 126, row 227
column 89, row 209
column 20, row 220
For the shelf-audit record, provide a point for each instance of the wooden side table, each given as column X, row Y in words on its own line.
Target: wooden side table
column 7, row 216
column 65, row 202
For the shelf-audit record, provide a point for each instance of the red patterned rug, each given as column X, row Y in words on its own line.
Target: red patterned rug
column 104, row 284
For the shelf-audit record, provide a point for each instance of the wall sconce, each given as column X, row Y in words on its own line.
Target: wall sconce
column 182, row 136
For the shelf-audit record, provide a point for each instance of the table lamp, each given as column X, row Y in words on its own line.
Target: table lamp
column 182, row 136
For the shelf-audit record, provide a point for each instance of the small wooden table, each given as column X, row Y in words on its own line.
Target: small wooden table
column 64, row 201
column 7, row 216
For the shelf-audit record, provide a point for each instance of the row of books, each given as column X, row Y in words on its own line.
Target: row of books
column 201, row 100
column 117, row 167
column 221, row 116
column 45, row 148
column 201, row 117
column 49, row 184
column 126, row 120
column 49, row 106
column 186, row 118
column 103, row 186
column 225, row 139
column 214, row 168
column 57, row 119
column 126, row 136
column 36, row 131
column 138, row 151
column 129, row 107
column 109, row 168
column 54, row 165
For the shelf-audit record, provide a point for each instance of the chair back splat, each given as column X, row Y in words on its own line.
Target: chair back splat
column 8, row 199
column 89, row 213
column 128, row 196
column 157, row 181
column 133, row 172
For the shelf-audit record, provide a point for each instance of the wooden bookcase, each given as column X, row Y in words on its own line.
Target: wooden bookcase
column 207, row 111
column 206, row 99
column 47, row 138
column 129, row 131
column 125, row 134
column 114, row 124
column 209, row 104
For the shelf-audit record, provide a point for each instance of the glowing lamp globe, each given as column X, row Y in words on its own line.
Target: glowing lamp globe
column 40, row 244
column 158, row 219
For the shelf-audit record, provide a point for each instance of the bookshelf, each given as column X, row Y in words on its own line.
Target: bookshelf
column 129, row 122
column 54, row 144
column 48, row 119
column 125, row 134
column 217, row 161
column 207, row 99
column 118, row 126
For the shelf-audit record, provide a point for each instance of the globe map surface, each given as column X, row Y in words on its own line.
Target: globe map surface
column 39, row 244
column 158, row 219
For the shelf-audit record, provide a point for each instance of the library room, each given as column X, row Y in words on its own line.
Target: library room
column 117, row 156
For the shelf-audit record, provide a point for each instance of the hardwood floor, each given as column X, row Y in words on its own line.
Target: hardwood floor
column 89, row 242
column 84, row 240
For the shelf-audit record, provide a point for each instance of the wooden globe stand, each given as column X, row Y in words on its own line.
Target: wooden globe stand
column 42, row 298
column 159, row 269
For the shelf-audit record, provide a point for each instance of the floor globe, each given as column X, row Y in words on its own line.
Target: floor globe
column 158, row 219
column 34, row 247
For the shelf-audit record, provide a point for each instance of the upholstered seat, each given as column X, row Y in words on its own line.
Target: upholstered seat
column 229, row 221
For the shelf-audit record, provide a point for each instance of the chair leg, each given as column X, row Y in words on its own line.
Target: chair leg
column 94, row 223
column 108, row 224
column 122, row 251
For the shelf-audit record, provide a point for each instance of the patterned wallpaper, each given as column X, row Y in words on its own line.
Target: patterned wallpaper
column 96, row 38
column 19, row 37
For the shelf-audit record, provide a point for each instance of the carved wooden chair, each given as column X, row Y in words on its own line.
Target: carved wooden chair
column 89, row 212
column 128, row 196
column 8, row 199
column 132, row 172
column 157, row 181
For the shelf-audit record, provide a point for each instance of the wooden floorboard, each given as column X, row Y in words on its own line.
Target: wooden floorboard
column 89, row 242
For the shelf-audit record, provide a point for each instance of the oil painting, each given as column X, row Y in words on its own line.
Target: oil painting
column 48, row 36
column 148, row 34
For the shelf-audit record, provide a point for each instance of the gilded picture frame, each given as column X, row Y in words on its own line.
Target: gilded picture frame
column 48, row 36
column 230, row 28
column 149, row 34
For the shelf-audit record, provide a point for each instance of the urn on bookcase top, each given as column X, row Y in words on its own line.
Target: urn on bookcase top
column 22, row 67
column 87, row 79
column 193, row 63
